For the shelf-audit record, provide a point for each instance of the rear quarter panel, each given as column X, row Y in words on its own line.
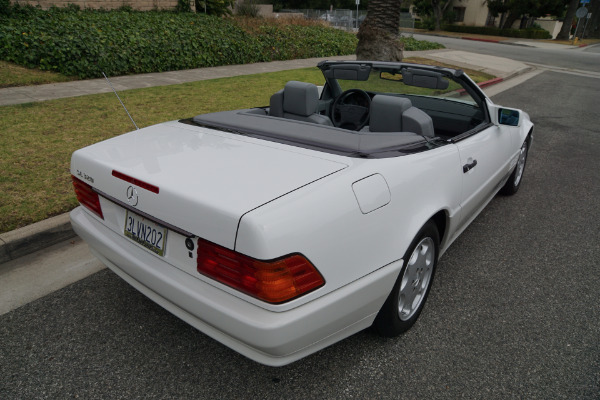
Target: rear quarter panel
column 323, row 221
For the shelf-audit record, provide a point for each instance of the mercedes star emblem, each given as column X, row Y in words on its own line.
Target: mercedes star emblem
column 132, row 196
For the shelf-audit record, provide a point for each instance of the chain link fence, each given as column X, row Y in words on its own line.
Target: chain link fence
column 340, row 18
column 347, row 19
column 407, row 21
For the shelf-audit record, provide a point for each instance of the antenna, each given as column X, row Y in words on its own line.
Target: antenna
column 110, row 84
column 120, row 101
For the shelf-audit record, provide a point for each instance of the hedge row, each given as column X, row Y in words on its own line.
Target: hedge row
column 84, row 43
column 530, row 33
column 412, row 44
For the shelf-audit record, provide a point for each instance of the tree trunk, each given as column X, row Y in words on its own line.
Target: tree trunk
column 378, row 34
column 510, row 20
column 566, row 27
column 502, row 20
column 437, row 14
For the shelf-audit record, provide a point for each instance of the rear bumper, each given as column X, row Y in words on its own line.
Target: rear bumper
column 271, row 338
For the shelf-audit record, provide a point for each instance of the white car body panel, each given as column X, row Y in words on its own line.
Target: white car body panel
column 260, row 170
column 355, row 241
column 353, row 217
column 265, row 336
column 489, row 149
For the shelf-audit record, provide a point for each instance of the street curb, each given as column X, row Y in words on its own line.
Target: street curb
column 34, row 237
column 481, row 40
column 505, row 41
column 490, row 82
column 518, row 72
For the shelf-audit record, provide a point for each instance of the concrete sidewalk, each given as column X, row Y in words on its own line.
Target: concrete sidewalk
column 29, row 239
column 497, row 66
column 28, row 94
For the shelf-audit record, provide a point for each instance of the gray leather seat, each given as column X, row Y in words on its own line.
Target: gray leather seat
column 298, row 101
column 396, row 114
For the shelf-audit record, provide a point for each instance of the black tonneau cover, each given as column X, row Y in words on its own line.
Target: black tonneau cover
column 255, row 122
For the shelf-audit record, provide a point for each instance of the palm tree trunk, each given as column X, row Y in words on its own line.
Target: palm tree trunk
column 379, row 32
column 384, row 14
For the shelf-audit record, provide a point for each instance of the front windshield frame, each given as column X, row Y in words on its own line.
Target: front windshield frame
column 461, row 88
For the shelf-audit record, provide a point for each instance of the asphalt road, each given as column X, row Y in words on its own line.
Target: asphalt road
column 585, row 58
column 514, row 311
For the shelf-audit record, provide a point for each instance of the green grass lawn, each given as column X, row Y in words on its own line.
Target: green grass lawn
column 15, row 75
column 37, row 139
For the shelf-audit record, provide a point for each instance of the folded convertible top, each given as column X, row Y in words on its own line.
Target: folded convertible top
column 256, row 123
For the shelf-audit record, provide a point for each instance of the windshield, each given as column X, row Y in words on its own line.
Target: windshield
column 390, row 82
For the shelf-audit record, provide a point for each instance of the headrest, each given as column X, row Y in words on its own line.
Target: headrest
column 300, row 98
column 386, row 113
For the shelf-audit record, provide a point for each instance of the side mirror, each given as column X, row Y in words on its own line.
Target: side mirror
column 504, row 116
column 507, row 116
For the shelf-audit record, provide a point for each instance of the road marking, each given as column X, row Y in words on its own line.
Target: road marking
column 578, row 72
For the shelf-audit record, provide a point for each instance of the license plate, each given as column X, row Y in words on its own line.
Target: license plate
column 145, row 232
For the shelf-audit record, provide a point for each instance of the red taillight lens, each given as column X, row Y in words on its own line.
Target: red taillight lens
column 87, row 197
column 273, row 281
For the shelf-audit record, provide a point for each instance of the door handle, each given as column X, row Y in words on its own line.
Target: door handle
column 468, row 167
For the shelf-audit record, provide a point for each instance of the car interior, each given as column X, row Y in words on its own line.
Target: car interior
column 365, row 108
column 445, row 96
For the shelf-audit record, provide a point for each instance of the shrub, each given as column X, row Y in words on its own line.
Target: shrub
column 425, row 23
column 215, row 7
column 5, row 7
column 85, row 43
column 412, row 44
column 183, row 6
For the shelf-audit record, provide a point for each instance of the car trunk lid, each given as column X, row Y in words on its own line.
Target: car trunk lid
column 205, row 179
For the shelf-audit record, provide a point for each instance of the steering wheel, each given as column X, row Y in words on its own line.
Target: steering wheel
column 350, row 109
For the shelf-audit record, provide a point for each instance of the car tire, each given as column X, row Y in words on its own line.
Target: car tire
column 514, row 181
column 405, row 303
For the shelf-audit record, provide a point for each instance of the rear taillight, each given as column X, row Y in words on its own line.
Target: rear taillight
column 274, row 281
column 87, row 197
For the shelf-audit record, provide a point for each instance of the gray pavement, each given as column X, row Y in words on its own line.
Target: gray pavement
column 584, row 58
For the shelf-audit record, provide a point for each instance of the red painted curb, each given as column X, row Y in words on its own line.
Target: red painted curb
column 582, row 45
column 481, row 40
column 490, row 82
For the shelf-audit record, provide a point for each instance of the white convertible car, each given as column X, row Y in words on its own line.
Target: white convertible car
column 281, row 230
